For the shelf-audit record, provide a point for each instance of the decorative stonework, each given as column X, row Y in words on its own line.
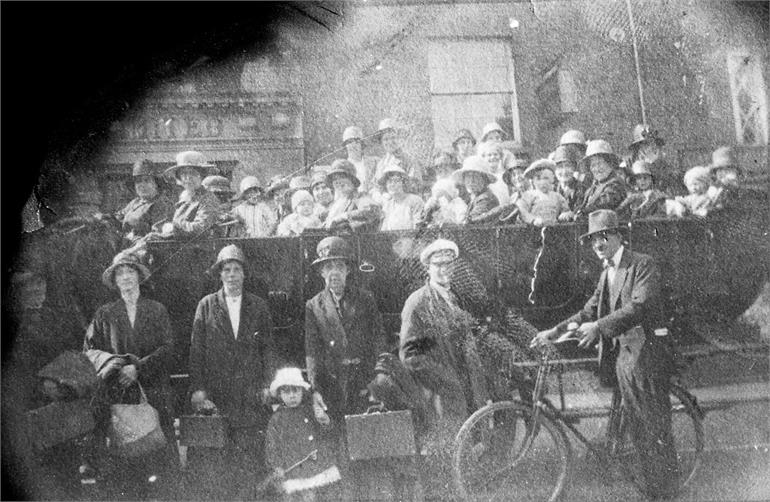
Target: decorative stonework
column 211, row 118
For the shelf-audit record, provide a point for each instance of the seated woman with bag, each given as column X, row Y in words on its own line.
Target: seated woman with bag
column 130, row 344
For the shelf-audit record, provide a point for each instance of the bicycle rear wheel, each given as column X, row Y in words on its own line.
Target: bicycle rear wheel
column 503, row 453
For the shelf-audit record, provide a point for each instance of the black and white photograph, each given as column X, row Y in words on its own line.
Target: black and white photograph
column 386, row 250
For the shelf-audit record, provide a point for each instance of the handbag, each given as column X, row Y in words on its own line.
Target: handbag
column 135, row 428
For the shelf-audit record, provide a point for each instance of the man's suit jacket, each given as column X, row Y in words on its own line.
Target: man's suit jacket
column 233, row 371
column 344, row 348
column 627, row 313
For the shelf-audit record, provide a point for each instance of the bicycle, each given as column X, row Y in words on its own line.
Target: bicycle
column 514, row 450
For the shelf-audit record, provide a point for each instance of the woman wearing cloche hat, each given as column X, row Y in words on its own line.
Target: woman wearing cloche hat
column 231, row 364
column 476, row 176
column 149, row 207
column 131, row 345
column 606, row 191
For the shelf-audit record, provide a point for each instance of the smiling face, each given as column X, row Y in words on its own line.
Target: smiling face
column 335, row 274
column 190, row 178
column 322, row 193
column 126, row 278
column 232, row 276
column 291, row 395
column 601, row 169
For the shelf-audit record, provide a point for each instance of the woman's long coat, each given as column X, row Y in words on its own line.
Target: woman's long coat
column 233, row 371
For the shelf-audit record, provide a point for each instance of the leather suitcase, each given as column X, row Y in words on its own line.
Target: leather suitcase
column 380, row 435
column 58, row 422
column 202, row 430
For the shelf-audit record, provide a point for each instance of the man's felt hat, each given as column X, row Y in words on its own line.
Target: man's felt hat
column 332, row 248
column 601, row 220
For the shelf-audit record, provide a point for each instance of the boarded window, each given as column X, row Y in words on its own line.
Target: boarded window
column 749, row 99
column 471, row 84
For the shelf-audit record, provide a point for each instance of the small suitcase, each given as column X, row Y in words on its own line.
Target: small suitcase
column 380, row 435
column 202, row 430
column 58, row 422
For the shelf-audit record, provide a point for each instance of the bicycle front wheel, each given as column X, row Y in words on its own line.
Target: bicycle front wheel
column 503, row 452
column 687, row 429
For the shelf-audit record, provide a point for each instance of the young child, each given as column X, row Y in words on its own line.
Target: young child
column 302, row 217
column 256, row 216
column 647, row 201
column 542, row 205
column 444, row 207
column 698, row 202
column 294, row 431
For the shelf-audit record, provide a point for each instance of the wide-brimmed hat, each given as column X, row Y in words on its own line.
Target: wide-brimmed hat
column 537, row 166
column 332, row 248
column 248, row 183
column 352, row 133
column 277, row 182
column 342, row 167
column 191, row 159
column 474, row 164
column 285, row 377
column 643, row 134
column 492, row 126
column 436, row 246
column 723, row 158
column 228, row 253
column 573, row 137
column 601, row 220
column 391, row 170
column 641, row 167
column 600, row 147
column 463, row 133
column 217, row 184
column 124, row 258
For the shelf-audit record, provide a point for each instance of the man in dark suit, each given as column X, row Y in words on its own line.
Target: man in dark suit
column 231, row 367
column 343, row 334
column 624, row 311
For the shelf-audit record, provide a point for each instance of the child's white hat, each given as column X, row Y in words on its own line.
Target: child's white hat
column 288, row 376
column 697, row 173
column 299, row 197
